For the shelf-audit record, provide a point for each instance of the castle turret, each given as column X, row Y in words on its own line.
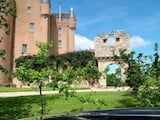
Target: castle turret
column 71, row 12
column 72, row 19
column 32, row 24
column 66, row 25
column 45, row 8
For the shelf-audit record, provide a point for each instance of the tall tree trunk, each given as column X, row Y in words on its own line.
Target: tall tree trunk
column 41, row 101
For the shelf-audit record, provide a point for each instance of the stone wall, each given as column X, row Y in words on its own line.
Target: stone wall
column 104, row 51
column 102, row 47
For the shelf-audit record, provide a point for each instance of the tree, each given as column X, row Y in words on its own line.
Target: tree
column 143, row 77
column 39, row 68
column 91, row 73
column 148, row 95
column 136, row 69
column 156, row 63
column 36, row 70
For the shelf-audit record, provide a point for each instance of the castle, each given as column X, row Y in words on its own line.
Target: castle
column 35, row 22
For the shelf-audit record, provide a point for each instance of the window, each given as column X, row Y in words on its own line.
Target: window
column 111, row 40
column 117, row 39
column 59, row 30
column 104, row 40
column 24, row 49
column 59, row 43
column 29, row 9
column 32, row 27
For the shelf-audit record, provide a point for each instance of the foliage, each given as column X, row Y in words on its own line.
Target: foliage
column 77, row 59
column 86, row 99
column 63, row 80
column 150, row 88
column 83, row 62
column 136, row 69
column 39, row 68
column 143, row 76
column 91, row 73
column 113, row 79
column 36, row 70
column 5, row 10
column 149, row 95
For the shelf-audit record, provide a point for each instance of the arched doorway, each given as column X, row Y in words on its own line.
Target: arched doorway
column 113, row 75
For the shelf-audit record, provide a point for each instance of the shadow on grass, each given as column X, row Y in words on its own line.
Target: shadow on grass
column 77, row 110
column 20, row 107
column 127, row 102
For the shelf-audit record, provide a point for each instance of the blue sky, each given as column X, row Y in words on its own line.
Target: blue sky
column 138, row 18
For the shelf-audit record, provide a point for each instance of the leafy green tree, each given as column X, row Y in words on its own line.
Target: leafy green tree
column 148, row 95
column 36, row 70
column 143, row 76
column 156, row 63
column 91, row 73
column 136, row 69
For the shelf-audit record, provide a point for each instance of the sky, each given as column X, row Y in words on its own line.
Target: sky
column 138, row 18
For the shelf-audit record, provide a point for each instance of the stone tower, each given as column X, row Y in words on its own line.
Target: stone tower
column 105, row 45
column 34, row 22
column 65, row 26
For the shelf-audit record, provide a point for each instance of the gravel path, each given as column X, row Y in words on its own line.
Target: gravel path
column 15, row 94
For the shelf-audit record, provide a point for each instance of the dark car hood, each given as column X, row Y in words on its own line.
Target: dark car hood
column 114, row 114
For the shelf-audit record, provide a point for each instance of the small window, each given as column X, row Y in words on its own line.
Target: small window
column 29, row 9
column 104, row 40
column 117, row 39
column 32, row 27
column 24, row 49
column 59, row 30
column 59, row 43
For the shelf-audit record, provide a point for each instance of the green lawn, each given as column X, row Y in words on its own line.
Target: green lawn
column 28, row 106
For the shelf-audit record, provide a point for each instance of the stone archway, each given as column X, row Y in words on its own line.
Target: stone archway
column 104, row 52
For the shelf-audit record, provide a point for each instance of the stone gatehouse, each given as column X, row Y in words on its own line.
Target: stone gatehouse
column 105, row 45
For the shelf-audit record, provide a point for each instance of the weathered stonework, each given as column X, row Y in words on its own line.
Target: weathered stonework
column 104, row 51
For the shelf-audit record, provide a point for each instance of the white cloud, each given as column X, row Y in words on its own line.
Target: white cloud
column 83, row 43
column 137, row 42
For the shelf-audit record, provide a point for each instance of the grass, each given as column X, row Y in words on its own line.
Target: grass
column 28, row 106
